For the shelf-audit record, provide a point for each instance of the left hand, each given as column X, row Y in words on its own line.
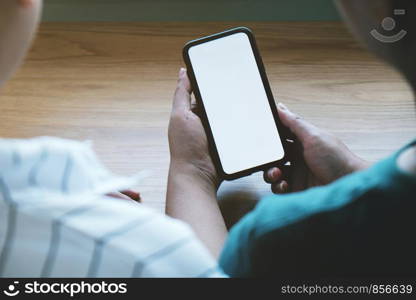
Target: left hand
column 187, row 139
column 126, row 195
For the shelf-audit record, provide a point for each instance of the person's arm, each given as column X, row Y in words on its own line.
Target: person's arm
column 193, row 182
column 192, row 198
column 317, row 158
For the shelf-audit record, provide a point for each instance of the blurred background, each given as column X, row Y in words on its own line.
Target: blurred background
column 189, row 10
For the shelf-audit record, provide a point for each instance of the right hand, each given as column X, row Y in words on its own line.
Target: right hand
column 317, row 157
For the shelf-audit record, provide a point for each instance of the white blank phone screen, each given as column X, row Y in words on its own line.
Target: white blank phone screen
column 236, row 103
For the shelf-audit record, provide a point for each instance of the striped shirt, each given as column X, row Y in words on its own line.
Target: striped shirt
column 55, row 220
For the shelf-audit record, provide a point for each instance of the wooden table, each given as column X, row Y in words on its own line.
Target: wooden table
column 112, row 83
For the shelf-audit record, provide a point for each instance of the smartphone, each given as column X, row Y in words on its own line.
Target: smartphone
column 236, row 104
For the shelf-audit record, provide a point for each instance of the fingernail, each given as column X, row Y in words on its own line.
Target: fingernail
column 275, row 173
column 281, row 106
column 182, row 72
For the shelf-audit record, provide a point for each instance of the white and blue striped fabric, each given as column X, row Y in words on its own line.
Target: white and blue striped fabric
column 55, row 220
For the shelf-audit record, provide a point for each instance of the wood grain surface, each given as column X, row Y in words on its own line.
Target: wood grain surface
column 112, row 83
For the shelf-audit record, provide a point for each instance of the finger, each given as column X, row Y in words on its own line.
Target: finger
column 119, row 195
column 132, row 195
column 280, row 187
column 272, row 175
column 194, row 106
column 284, row 173
column 182, row 98
column 301, row 128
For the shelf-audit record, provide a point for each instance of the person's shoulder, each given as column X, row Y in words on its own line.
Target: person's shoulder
column 277, row 211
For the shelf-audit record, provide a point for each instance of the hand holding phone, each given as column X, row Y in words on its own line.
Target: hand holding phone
column 188, row 143
column 238, row 111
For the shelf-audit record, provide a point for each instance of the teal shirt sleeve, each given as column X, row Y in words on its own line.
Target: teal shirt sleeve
column 343, row 229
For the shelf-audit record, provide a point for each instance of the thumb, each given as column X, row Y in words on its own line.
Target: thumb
column 299, row 127
column 182, row 98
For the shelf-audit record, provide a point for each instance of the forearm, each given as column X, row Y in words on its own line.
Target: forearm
column 192, row 199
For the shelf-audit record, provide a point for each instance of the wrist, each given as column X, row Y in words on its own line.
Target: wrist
column 356, row 164
column 197, row 175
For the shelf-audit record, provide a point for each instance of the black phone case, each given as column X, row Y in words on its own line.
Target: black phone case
column 282, row 130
